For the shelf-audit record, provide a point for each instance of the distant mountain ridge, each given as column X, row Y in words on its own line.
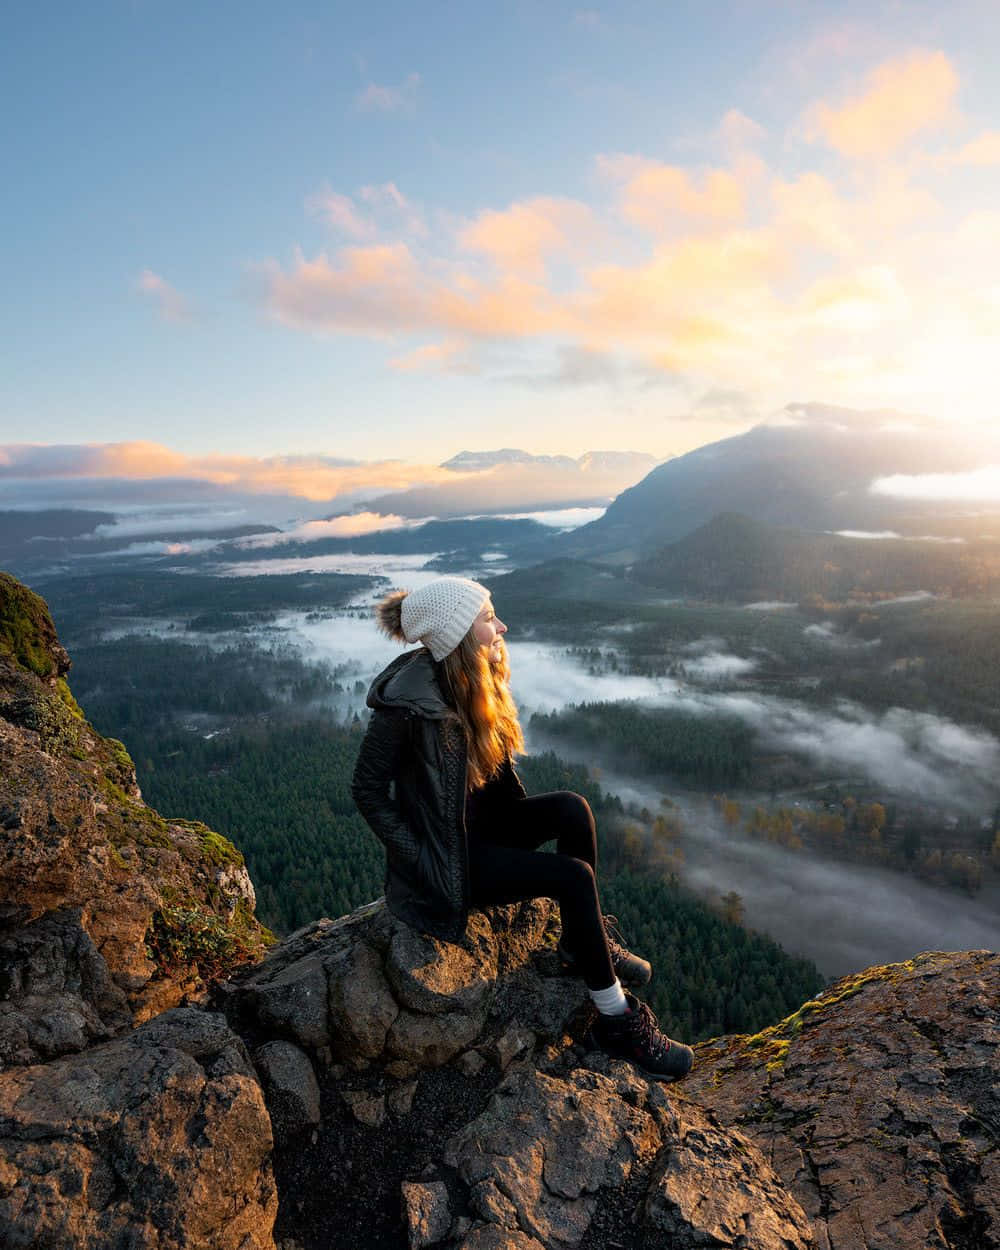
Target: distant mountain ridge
column 513, row 480
column 813, row 472
column 600, row 461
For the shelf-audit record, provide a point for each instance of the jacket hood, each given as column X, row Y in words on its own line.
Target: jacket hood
column 410, row 682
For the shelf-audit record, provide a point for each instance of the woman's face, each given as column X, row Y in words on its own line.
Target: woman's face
column 488, row 629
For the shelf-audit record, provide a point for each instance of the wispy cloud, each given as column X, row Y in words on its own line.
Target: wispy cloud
column 983, row 150
column 447, row 357
column 308, row 477
column 340, row 213
column 977, row 486
column 375, row 98
column 348, row 526
column 172, row 305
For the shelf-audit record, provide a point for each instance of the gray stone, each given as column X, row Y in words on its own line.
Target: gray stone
column 547, row 1145
column 426, row 1212
column 361, row 1004
column 400, row 1100
column 713, row 1187
column 59, row 995
column 493, row 1237
column 293, row 1002
column 290, row 1087
column 367, row 1108
column 471, row 1063
column 514, row 1041
column 431, row 1040
column 435, row 977
column 134, row 1143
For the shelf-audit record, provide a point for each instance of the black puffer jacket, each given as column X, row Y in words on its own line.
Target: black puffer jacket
column 409, row 784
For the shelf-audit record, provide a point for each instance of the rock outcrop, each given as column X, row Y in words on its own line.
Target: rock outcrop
column 160, row 1138
column 879, row 1103
column 359, row 1084
column 867, row 1119
column 108, row 912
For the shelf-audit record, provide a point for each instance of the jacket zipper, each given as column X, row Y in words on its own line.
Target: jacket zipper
column 463, row 832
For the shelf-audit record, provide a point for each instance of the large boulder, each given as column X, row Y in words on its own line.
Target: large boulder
column 58, row 995
column 160, row 1138
column 167, row 905
column 539, row 1157
column 368, row 987
column 878, row 1103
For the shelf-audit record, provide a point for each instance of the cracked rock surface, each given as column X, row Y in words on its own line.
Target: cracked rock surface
column 879, row 1104
column 410, row 1092
column 160, row 1138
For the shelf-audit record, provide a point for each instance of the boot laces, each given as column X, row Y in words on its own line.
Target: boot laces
column 616, row 941
column 648, row 1031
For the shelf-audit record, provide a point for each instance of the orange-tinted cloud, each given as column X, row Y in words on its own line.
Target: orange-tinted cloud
column 373, row 290
column 901, row 98
column 522, row 237
column 396, row 489
column 983, row 150
column 310, row 477
column 858, row 301
column 658, row 197
column 724, row 276
column 450, row 357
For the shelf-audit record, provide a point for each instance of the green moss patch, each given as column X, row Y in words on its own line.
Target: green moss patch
column 772, row 1044
column 64, row 693
column 27, row 633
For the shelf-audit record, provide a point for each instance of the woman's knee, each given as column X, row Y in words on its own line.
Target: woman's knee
column 576, row 808
column 579, row 875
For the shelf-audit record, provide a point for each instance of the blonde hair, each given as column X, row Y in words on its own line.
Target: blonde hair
column 478, row 690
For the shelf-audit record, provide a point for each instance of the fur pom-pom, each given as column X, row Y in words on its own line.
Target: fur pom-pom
column 388, row 615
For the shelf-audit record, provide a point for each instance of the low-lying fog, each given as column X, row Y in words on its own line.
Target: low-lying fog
column 843, row 917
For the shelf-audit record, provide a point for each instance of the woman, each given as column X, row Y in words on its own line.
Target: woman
column 435, row 781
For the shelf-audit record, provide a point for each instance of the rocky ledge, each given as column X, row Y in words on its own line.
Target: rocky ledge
column 109, row 913
column 172, row 1078
column 445, row 1094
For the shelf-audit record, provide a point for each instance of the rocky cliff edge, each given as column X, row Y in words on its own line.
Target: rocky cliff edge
column 358, row 1084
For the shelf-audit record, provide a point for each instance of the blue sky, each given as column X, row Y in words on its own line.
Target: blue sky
column 398, row 231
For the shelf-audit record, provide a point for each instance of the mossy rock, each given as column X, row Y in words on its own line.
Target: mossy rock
column 64, row 693
column 772, row 1043
column 214, row 847
column 185, row 932
column 122, row 770
column 27, row 634
column 60, row 732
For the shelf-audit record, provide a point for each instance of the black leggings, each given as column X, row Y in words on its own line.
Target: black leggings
column 505, row 867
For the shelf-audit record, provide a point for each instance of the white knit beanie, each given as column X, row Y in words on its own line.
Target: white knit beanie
column 439, row 614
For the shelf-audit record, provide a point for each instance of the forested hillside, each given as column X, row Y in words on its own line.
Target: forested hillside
column 735, row 557
column 276, row 780
column 283, row 796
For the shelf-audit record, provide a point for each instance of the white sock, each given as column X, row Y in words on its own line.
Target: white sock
column 610, row 1002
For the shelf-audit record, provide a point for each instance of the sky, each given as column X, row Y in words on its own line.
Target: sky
column 320, row 234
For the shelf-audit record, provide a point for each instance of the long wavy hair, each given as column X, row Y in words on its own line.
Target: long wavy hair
column 476, row 687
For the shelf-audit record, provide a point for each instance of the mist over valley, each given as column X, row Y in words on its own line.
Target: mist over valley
column 814, row 709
